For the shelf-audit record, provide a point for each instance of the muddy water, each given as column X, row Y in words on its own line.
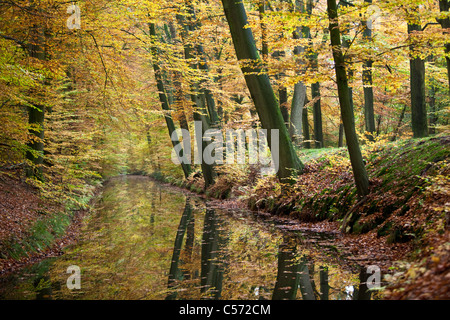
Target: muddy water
column 147, row 241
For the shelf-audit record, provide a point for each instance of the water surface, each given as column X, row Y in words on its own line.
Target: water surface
column 147, row 241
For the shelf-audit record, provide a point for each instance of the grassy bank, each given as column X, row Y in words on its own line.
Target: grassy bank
column 37, row 220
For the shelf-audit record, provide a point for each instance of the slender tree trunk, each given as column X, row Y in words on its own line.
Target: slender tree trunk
column 419, row 119
column 348, row 120
column 369, row 115
column 264, row 43
column 178, row 94
column 341, row 135
column 298, row 102
column 444, row 6
column 163, row 98
column 305, row 127
column 283, row 97
column 198, row 96
column 36, row 113
column 399, row 123
column 300, row 94
column 260, row 88
column 317, row 115
column 315, row 87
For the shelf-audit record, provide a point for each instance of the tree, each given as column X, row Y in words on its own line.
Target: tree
column 348, row 120
column 200, row 96
column 163, row 98
column 419, row 119
column 444, row 7
column 369, row 115
column 260, row 88
column 315, row 88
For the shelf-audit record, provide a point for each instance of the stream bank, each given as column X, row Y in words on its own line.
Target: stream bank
column 403, row 222
column 402, row 226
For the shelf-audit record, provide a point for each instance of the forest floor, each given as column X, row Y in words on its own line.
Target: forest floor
column 403, row 226
column 23, row 239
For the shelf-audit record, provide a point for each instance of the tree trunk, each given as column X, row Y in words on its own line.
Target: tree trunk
column 260, row 88
column 419, row 121
column 444, row 6
column 36, row 113
column 317, row 115
column 199, row 98
column 348, row 120
column 315, row 87
column 164, row 100
column 305, row 127
column 283, row 97
column 341, row 135
column 369, row 115
column 399, row 123
column 298, row 102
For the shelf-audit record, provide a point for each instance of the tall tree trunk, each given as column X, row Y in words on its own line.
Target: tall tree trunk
column 36, row 113
column 298, row 102
column 369, row 115
column 305, row 127
column 178, row 94
column 317, row 115
column 399, row 123
column 341, row 135
column 163, row 98
column 348, row 120
column 198, row 96
column 300, row 95
column 260, row 88
column 264, row 43
column 444, row 6
column 315, row 87
column 283, row 98
column 419, row 121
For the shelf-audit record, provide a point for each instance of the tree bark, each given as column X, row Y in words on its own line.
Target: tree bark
column 260, row 88
column 198, row 97
column 298, row 102
column 163, row 98
column 348, row 120
column 444, row 6
column 36, row 113
column 369, row 115
column 317, row 115
column 315, row 88
column 305, row 127
column 419, row 121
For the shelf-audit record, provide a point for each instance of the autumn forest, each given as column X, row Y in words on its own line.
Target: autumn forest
column 310, row 136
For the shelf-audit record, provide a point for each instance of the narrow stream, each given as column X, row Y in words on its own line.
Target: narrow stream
column 147, row 241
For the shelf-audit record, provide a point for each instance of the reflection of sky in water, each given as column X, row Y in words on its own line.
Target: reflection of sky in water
column 147, row 242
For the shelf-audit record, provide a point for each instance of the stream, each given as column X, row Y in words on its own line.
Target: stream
column 144, row 240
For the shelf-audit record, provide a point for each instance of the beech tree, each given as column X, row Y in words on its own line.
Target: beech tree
column 348, row 120
column 260, row 88
column 419, row 120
